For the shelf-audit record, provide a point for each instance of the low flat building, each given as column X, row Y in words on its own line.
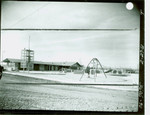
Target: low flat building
column 16, row 65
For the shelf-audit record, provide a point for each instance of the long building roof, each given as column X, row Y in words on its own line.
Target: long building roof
column 41, row 62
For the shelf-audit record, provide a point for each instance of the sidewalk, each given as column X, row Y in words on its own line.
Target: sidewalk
column 75, row 79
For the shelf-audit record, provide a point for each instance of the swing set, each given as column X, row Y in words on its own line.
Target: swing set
column 93, row 68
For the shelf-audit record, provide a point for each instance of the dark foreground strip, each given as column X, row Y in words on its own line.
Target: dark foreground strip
column 42, row 29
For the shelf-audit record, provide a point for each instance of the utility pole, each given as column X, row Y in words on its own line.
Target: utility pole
column 29, row 58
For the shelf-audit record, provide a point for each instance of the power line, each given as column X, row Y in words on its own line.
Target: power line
column 29, row 15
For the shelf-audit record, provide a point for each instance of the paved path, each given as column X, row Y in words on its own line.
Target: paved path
column 18, row 92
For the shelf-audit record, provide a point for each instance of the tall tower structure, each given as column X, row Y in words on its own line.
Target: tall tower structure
column 27, row 57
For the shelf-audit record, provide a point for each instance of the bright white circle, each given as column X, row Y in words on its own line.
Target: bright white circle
column 129, row 6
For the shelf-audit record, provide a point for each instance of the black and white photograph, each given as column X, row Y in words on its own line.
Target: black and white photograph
column 70, row 56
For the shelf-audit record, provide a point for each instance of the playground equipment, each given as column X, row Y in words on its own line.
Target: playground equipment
column 93, row 68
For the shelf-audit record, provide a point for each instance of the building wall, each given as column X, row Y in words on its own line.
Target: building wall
column 76, row 67
column 31, row 66
column 10, row 66
column 36, row 67
column 46, row 67
column 52, row 68
column 56, row 68
column 41, row 67
column 16, row 66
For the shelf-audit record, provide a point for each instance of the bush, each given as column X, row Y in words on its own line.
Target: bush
column 115, row 71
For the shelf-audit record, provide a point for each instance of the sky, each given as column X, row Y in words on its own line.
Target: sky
column 111, row 48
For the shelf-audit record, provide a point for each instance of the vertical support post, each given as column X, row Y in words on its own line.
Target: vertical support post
column 142, row 61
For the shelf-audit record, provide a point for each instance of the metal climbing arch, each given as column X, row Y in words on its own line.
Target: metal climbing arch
column 93, row 67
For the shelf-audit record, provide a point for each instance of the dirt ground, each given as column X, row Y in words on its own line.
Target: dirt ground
column 27, row 93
